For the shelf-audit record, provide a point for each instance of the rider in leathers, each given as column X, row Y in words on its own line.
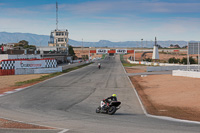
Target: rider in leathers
column 109, row 99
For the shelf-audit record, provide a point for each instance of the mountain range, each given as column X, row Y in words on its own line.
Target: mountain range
column 42, row 40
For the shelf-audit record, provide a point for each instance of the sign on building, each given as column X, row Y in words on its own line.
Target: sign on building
column 102, row 51
column 193, row 48
column 121, row 51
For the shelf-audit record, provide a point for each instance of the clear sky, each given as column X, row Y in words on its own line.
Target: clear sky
column 114, row 20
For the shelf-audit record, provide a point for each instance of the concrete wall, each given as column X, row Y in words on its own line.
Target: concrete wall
column 22, row 71
column 47, row 70
column 20, row 56
column 170, row 68
column 193, row 74
column 156, row 66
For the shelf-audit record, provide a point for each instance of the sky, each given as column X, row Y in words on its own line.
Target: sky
column 113, row 20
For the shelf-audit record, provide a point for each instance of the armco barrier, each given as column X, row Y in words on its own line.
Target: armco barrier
column 7, row 72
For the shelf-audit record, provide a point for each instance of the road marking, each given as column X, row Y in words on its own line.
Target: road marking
column 64, row 130
column 10, row 92
column 155, row 116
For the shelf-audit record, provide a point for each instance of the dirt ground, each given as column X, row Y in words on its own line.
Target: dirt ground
column 12, row 124
column 169, row 95
column 7, row 82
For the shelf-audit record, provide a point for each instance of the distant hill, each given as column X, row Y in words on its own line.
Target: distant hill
column 42, row 40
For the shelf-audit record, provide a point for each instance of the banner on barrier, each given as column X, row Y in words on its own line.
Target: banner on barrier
column 30, row 64
column 102, row 51
column 121, row 51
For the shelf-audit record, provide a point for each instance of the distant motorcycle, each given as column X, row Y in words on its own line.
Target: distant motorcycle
column 110, row 108
column 99, row 65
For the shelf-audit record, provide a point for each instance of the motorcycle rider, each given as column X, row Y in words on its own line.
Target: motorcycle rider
column 107, row 101
column 99, row 65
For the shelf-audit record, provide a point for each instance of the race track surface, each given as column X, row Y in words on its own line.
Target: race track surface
column 69, row 102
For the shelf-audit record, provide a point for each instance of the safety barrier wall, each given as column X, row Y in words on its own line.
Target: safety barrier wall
column 151, row 63
column 193, row 74
column 156, row 66
column 48, row 70
column 22, row 71
column 27, row 66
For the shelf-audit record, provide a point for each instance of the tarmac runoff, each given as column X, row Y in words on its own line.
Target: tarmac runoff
column 142, row 106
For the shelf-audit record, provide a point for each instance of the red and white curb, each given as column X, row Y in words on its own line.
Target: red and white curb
column 13, row 91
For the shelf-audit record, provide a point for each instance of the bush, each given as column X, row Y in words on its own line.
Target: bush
column 184, row 60
column 174, row 60
column 148, row 59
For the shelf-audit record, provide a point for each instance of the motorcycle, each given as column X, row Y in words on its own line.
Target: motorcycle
column 99, row 66
column 110, row 108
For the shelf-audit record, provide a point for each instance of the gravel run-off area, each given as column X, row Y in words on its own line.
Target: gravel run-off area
column 167, row 95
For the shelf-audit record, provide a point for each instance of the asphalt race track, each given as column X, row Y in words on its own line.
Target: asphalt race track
column 69, row 102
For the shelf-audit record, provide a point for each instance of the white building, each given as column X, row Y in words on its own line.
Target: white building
column 59, row 38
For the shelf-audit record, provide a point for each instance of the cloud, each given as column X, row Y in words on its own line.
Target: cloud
column 97, row 7
column 19, row 11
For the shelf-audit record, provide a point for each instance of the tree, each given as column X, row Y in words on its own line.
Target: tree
column 174, row 60
column 184, row 60
column 184, row 46
column 71, row 51
column 23, row 43
column 159, row 46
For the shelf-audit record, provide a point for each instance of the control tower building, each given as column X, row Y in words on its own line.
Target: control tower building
column 58, row 37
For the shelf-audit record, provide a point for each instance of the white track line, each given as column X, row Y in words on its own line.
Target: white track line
column 64, row 130
column 155, row 116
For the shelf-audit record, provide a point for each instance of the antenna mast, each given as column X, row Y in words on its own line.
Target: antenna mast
column 56, row 15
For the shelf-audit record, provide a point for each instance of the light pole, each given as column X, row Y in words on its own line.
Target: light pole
column 141, row 43
column 82, row 44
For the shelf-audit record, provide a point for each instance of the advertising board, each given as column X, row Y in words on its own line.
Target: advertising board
column 102, row 51
column 30, row 64
column 121, row 51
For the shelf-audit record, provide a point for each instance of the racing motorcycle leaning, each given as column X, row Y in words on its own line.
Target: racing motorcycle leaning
column 108, row 108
